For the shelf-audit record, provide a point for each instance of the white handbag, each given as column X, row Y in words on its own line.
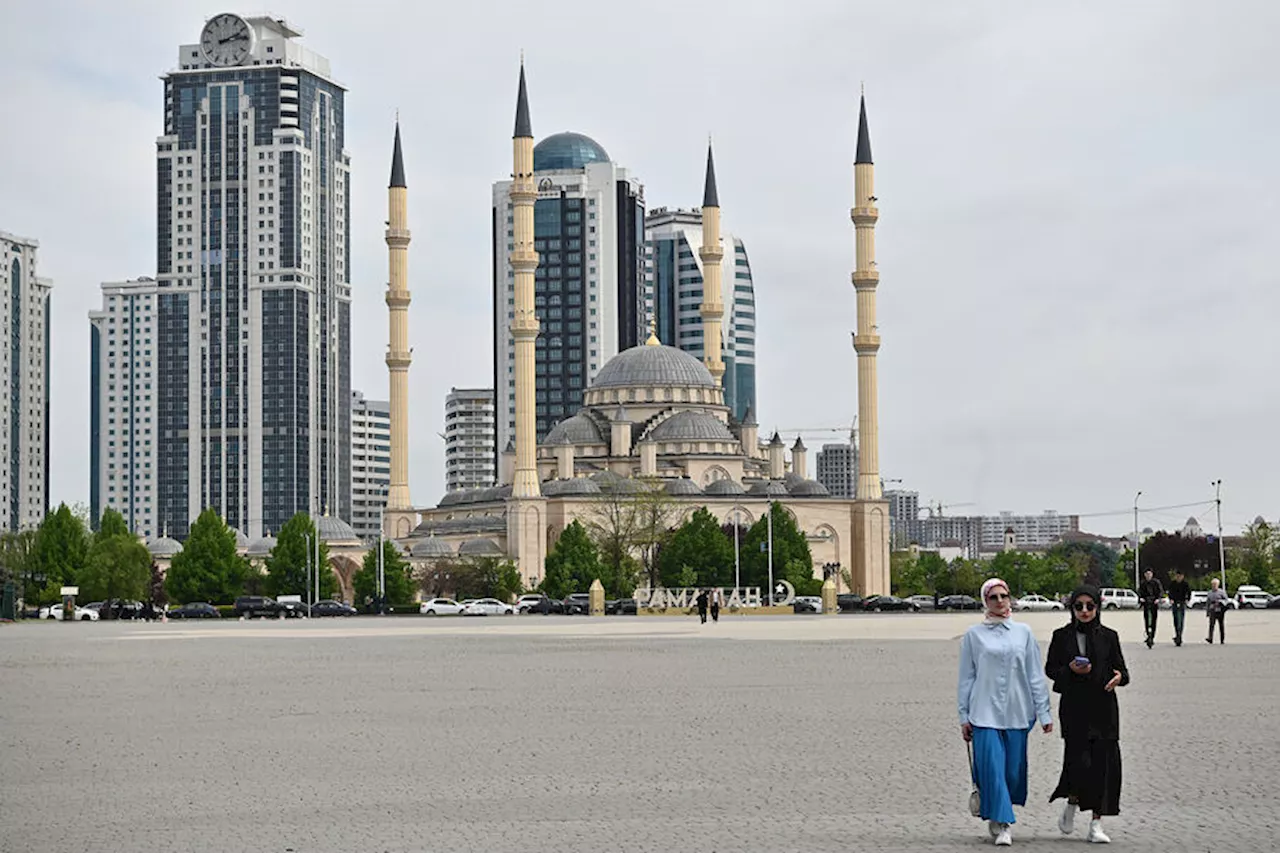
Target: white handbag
column 975, row 799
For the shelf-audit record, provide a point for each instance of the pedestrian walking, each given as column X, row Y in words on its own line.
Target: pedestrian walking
column 1216, row 606
column 1179, row 595
column 715, row 604
column 1149, row 593
column 1001, row 694
column 703, row 599
column 1086, row 665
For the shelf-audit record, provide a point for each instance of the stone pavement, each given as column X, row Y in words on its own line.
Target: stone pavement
column 564, row 734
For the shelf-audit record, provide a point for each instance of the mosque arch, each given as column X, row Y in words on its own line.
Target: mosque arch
column 714, row 473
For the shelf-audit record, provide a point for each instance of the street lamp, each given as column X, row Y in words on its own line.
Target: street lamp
column 1137, row 540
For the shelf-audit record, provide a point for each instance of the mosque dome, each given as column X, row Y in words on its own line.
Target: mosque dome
column 724, row 487
column 574, row 486
column 163, row 546
column 567, row 151
column 808, row 489
column 579, row 429
column 242, row 541
column 681, row 486
column 653, row 365
column 330, row 528
column 768, row 488
column 479, row 548
column 262, row 547
column 692, row 426
column 431, row 548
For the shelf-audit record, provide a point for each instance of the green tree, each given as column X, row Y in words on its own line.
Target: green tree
column 58, row 554
column 906, row 573
column 938, row 577
column 486, row 577
column 573, row 564
column 16, row 549
column 655, row 514
column 788, row 544
column 395, row 571
column 612, row 525
column 119, row 567
column 208, row 568
column 111, row 523
column 288, row 564
column 698, row 544
column 1257, row 557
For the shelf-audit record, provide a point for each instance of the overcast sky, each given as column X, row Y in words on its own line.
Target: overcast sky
column 1078, row 244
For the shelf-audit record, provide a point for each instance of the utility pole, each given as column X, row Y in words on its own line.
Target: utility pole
column 770, row 511
column 316, row 563
column 307, row 536
column 1222, row 552
column 1137, row 540
column 737, row 563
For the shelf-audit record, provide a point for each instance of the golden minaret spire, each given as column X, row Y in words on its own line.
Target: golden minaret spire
column 866, row 341
column 524, row 325
column 398, row 354
column 711, row 253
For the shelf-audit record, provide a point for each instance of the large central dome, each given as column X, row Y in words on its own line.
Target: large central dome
column 567, row 151
column 651, row 365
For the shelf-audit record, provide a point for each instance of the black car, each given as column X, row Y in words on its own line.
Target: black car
column 292, row 609
column 879, row 603
column 195, row 610
column 959, row 602
column 622, row 607
column 544, row 605
column 803, row 604
column 578, row 604
column 1274, row 603
column 849, row 602
column 250, row 606
column 329, row 607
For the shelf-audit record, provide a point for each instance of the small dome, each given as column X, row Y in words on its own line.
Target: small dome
column 792, row 479
column 682, row 486
column 574, row 486
column 768, row 488
column 479, row 548
column 567, row 151
column 261, row 547
column 808, row 489
column 242, row 541
column 332, row 529
column 163, row 546
column 432, row 547
column 653, row 366
column 724, row 487
column 579, row 429
column 691, row 426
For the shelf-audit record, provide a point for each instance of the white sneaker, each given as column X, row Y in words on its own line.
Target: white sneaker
column 1005, row 838
column 1096, row 835
column 1067, row 823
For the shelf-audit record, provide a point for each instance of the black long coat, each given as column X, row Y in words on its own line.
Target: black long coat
column 1087, row 710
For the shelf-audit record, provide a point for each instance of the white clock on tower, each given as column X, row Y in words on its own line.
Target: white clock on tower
column 227, row 40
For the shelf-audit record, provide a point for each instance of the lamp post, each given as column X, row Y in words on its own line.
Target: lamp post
column 737, row 562
column 1222, row 553
column 770, row 511
column 1137, row 540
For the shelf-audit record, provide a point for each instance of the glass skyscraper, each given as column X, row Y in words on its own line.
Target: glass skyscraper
column 253, row 295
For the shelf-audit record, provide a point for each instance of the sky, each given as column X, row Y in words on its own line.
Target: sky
column 1078, row 231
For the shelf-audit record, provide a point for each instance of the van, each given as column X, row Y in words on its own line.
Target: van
column 1114, row 598
column 1248, row 595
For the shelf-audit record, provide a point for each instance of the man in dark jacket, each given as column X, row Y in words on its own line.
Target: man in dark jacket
column 1179, row 595
column 1149, row 593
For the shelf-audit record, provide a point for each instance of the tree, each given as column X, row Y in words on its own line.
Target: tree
column 58, row 554
column 573, row 564
column 395, row 573
column 906, row 573
column 699, row 544
column 119, row 567
column 1258, row 556
column 288, row 571
column 486, row 577
column 208, row 568
column 655, row 514
column 612, row 526
column 156, row 587
column 16, row 549
column 788, row 544
column 111, row 523
column 938, row 577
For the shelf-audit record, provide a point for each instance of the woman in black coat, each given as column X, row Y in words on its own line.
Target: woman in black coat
column 1086, row 665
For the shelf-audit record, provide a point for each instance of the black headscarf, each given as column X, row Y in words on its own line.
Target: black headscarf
column 1094, row 593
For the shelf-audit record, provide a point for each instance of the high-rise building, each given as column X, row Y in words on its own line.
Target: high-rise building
column 1030, row 532
column 673, row 295
column 468, row 439
column 24, row 364
column 370, row 464
column 588, row 286
column 253, row 388
column 904, row 517
column 838, row 469
column 124, row 352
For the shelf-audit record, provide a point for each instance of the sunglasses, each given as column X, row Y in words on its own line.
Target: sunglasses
column 998, row 596
column 1085, row 606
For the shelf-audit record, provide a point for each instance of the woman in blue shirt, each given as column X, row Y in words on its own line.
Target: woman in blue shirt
column 1001, row 695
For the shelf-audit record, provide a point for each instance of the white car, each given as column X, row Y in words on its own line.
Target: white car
column 1114, row 598
column 528, row 601
column 1198, row 599
column 440, row 607
column 1037, row 602
column 83, row 614
column 487, row 607
column 1252, row 596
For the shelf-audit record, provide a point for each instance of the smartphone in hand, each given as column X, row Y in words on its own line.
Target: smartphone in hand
column 1081, row 661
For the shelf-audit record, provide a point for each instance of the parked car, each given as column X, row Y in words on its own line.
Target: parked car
column 578, row 604
column 922, row 602
column 291, row 608
column 529, row 602
column 807, row 604
column 1274, row 603
column 1251, row 596
column 959, row 602
column 195, row 610
column 250, row 606
column 623, row 607
column 1035, row 602
column 849, row 602
column 1199, row 597
column 329, row 607
column 1114, row 598
column 83, row 614
column 440, row 607
column 488, row 607
column 878, row 603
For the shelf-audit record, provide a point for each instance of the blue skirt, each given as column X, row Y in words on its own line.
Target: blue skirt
column 1000, row 771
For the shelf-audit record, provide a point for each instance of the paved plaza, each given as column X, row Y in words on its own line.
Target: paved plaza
column 616, row 734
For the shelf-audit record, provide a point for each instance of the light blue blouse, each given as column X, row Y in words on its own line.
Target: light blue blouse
column 1002, row 684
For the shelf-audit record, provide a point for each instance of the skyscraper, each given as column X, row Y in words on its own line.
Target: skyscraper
column 588, row 286
column 468, row 439
column 24, row 364
column 370, row 464
column 673, row 295
column 253, row 400
column 838, row 469
column 904, row 517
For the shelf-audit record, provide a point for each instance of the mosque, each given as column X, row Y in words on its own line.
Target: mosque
column 654, row 416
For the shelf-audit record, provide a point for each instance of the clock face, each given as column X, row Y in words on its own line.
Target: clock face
column 226, row 40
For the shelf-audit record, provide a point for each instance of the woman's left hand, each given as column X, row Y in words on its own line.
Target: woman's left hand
column 1047, row 728
column 1115, row 680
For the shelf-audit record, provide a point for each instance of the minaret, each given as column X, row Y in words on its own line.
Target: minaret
column 524, row 325
column 712, row 308
column 866, row 341
column 398, row 354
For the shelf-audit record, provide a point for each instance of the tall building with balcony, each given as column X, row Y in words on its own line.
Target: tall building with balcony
column 837, row 468
column 1030, row 532
column 469, row 435
column 588, row 287
column 253, row 296
column 904, row 518
column 24, row 364
column 673, row 295
column 370, row 464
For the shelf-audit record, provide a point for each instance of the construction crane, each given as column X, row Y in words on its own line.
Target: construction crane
column 935, row 509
